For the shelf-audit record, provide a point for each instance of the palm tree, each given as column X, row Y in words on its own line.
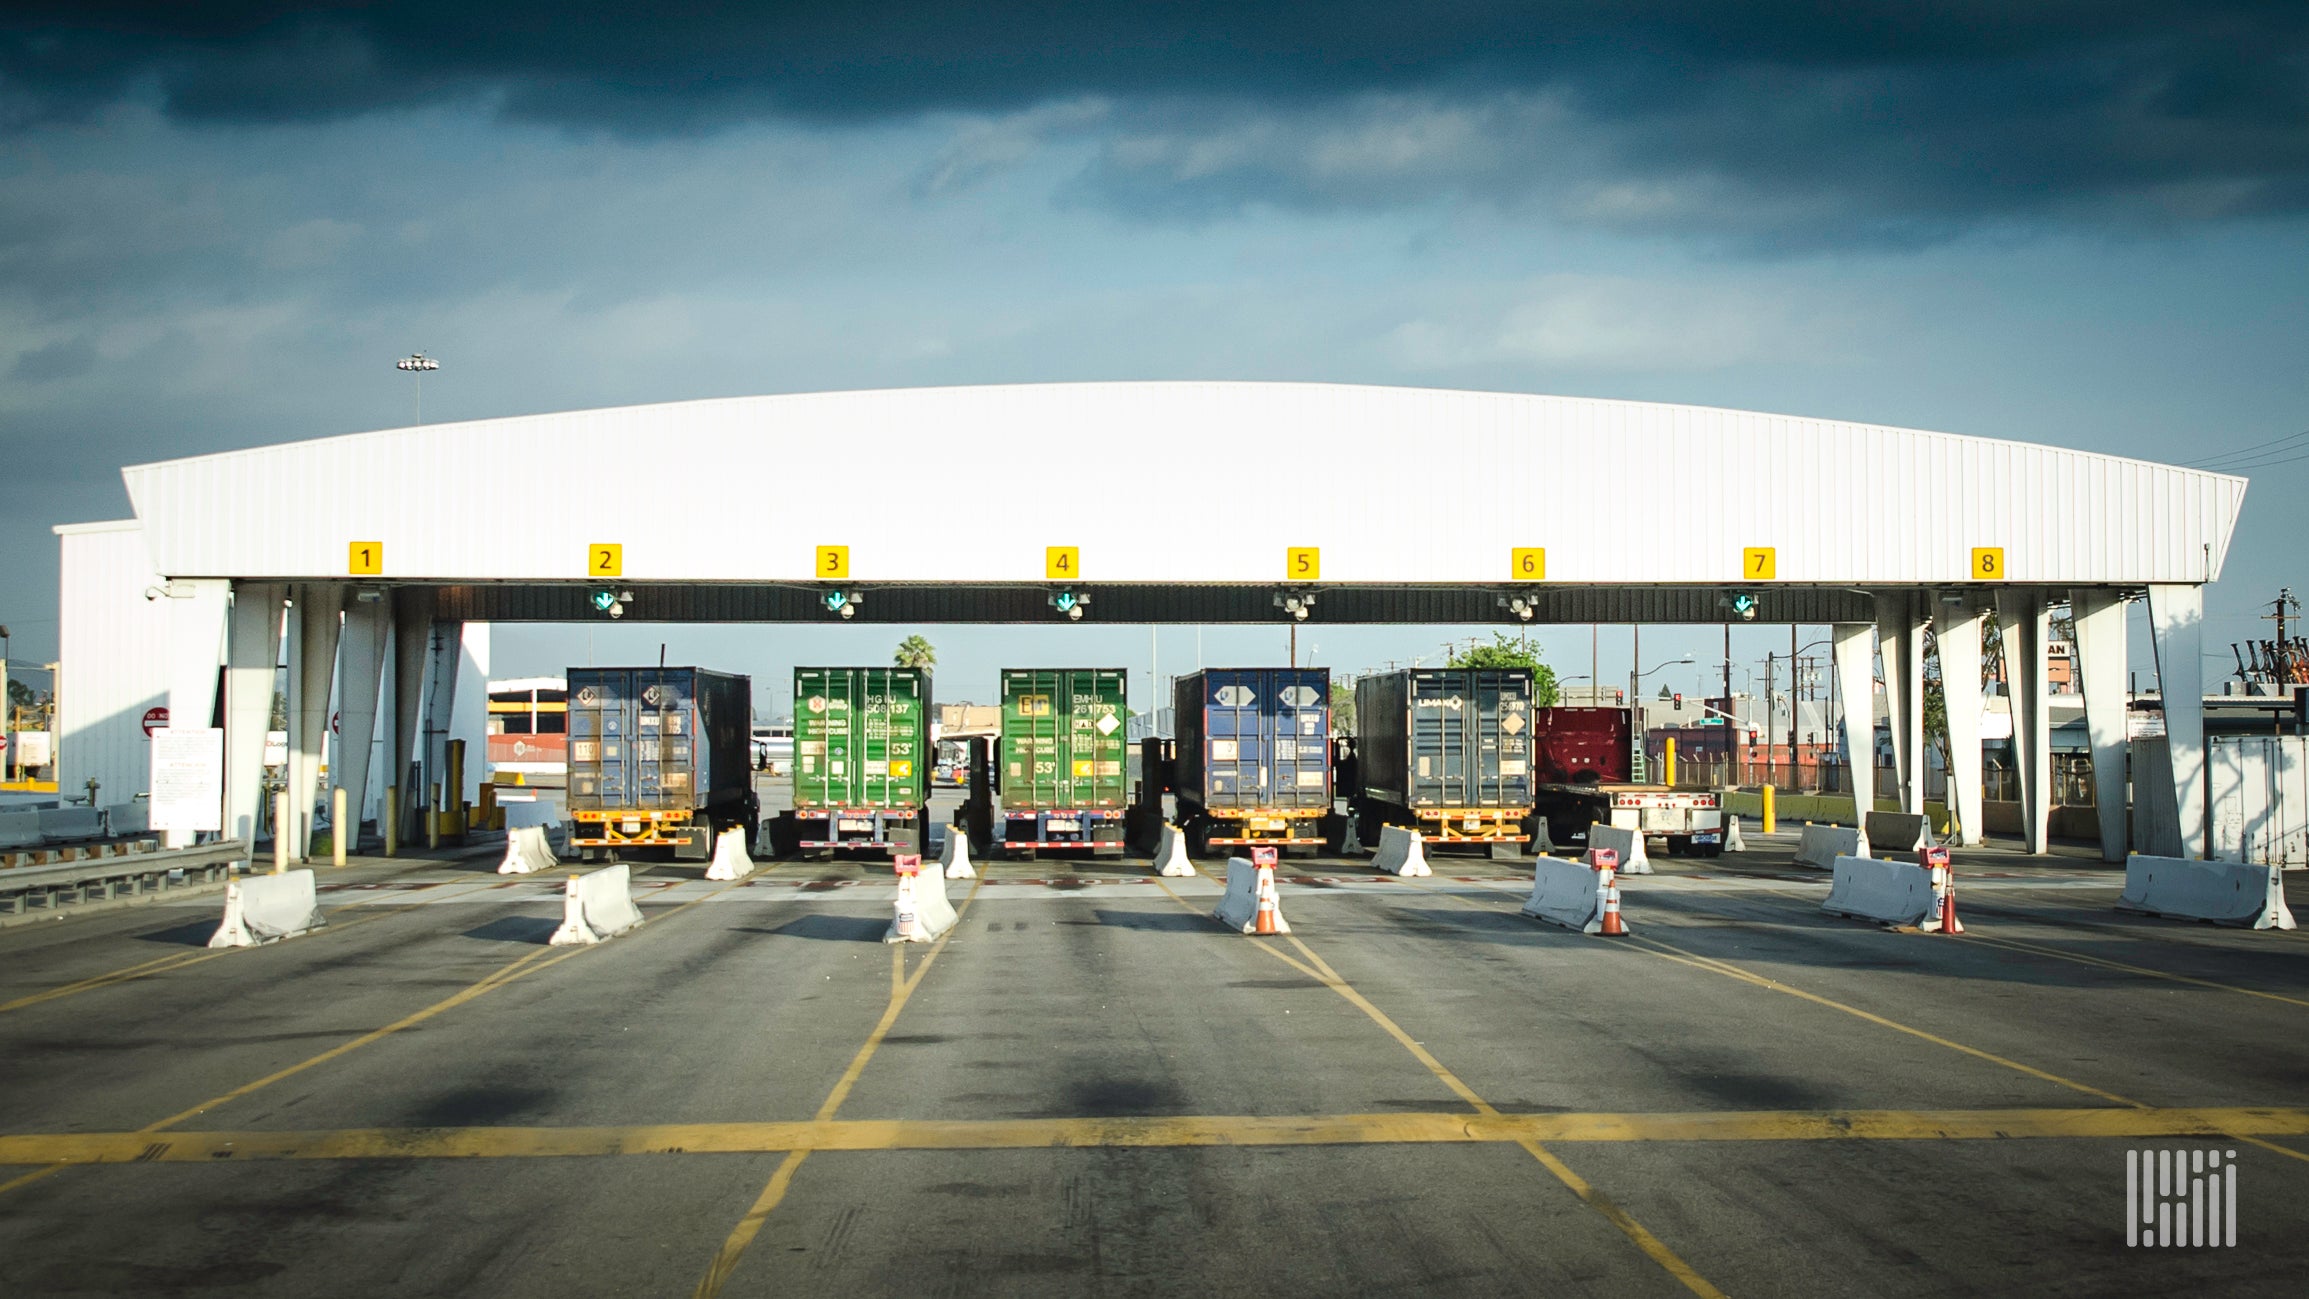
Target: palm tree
column 915, row 652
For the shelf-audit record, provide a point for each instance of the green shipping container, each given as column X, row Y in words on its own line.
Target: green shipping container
column 1065, row 733
column 861, row 738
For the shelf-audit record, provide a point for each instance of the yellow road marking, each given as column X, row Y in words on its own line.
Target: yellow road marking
column 1415, row 1128
column 179, row 960
column 902, row 987
column 2019, row 945
column 519, row 968
column 1652, row 1246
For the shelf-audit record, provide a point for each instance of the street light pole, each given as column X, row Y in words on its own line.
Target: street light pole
column 417, row 363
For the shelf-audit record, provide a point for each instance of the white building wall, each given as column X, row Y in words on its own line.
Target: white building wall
column 112, row 645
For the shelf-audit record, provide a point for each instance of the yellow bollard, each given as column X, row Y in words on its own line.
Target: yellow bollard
column 1770, row 822
column 338, row 832
column 392, row 820
column 1668, row 764
column 281, row 832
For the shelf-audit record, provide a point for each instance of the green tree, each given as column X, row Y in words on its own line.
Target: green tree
column 915, row 652
column 1343, row 707
column 1506, row 653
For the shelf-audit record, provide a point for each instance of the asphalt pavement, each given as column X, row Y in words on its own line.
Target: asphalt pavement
column 1090, row 1087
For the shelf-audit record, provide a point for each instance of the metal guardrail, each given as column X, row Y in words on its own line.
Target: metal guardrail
column 105, row 878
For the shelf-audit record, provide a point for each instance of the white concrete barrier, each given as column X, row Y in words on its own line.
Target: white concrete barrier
column 730, row 860
column 2226, row 893
column 1567, row 893
column 127, row 818
column 923, row 911
column 1171, row 854
column 19, row 829
column 1238, row 909
column 1732, row 840
column 59, row 824
column 1820, row 845
column 1884, row 890
column 527, row 849
column 268, row 908
column 1402, row 852
column 1629, row 844
column 596, row 906
column 1897, row 831
column 954, row 858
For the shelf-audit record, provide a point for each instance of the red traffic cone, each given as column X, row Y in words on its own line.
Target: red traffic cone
column 1935, row 860
column 1269, row 919
column 1613, row 926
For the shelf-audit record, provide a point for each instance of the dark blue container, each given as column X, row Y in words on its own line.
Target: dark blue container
column 1255, row 739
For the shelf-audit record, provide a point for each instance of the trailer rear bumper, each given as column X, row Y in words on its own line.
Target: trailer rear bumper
column 1484, row 825
column 1063, row 828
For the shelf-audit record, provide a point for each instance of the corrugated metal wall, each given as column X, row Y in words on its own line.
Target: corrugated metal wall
column 1394, row 485
column 112, row 644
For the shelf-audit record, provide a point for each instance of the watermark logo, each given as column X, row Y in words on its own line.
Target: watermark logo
column 2180, row 1197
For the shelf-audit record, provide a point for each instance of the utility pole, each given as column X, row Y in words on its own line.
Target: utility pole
column 1771, row 723
column 1729, row 724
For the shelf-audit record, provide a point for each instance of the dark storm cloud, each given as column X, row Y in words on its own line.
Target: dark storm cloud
column 1776, row 119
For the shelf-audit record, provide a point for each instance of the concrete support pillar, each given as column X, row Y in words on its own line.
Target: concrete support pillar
column 251, row 654
column 316, row 614
column 2026, row 621
column 1901, row 617
column 412, row 630
column 198, row 611
column 2177, row 628
column 2100, row 645
column 360, row 674
column 1959, row 637
column 1856, row 684
column 469, row 709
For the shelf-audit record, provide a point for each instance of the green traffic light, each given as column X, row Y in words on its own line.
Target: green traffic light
column 1064, row 601
column 835, row 600
column 602, row 600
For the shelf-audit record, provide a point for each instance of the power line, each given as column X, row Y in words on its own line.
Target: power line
column 2258, row 448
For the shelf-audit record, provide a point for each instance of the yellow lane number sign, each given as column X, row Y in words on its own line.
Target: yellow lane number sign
column 1760, row 563
column 1303, row 563
column 1061, row 563
column 365, row 558
column 1988, row 563
column 833, row 561
column 1527, row 564
column 605, row 559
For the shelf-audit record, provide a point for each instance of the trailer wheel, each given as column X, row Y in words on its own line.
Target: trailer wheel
column 1679, row 844
column 1709, row 850
column 1198, row 832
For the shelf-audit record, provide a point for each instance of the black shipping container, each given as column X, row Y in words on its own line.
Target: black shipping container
column 1434, row 738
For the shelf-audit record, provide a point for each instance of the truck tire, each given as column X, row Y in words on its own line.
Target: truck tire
column 1679, row 844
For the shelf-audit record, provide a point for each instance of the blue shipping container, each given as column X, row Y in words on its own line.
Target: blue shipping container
column 1255, row 738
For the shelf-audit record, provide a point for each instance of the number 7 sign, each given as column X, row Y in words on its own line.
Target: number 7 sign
column 1760, row 563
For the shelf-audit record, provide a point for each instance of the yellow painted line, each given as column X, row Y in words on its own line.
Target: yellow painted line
column 519, row 968
column 1652, row 1246
column 179, row 960
column 1248, row 1131
column 2018, row 945
column 902, row 987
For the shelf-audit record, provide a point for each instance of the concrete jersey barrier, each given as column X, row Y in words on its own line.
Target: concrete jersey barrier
column 1883, row 890
column 2223, row 892
column 1238, row 908
column 1732, row 840
column 1821, row 845
column 730, row 860
column 127, row 818
column 1567, row 893
column 1171, row 854
column 19, row 829
column 527, row 850
column 597, row 906
column 58, row 824
column 1402, row 852
column 954, row 858
column 932, row 915
column 268, row 908
column 1629, row 844
column 1897, row 831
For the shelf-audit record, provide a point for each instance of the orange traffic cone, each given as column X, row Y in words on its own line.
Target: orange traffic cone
column 1935, row 859
column 1613, row 926
column 909, row 923
column 1270, row 916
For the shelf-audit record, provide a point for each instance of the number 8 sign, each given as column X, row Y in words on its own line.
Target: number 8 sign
column 1988, row 563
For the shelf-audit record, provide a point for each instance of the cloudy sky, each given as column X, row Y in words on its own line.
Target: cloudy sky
column 2084, row 223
